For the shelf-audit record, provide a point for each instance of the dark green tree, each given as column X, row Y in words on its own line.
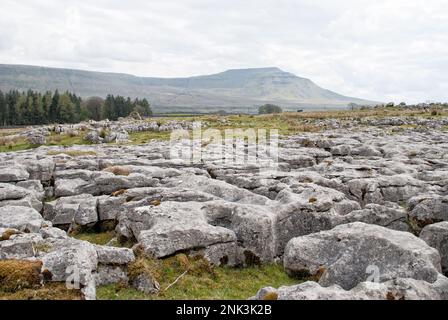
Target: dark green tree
column 46, row 102
column 67, row 109
column 269, row 109
column 3, row 110
column 109, row 108
column 12, row 101
column 36, row 108
column 94, row 108
column 143, row 107
column 54, row 112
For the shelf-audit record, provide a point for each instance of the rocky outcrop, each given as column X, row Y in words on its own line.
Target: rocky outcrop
column 348, row 254
column 78, row 264
column 428, row 208
column 157, row 234
column 339, row 207
column 436, row 236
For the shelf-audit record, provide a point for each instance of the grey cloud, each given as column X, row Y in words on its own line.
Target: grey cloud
column 381, row 50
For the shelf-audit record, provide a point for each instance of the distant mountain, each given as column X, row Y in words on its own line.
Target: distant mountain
column 239, row 90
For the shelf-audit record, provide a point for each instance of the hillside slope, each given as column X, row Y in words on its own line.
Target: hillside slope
column 232, row 90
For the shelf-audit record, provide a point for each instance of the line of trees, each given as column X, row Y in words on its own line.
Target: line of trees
column 35, row 108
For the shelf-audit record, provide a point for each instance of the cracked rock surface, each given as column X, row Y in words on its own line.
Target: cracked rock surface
column 339, row 201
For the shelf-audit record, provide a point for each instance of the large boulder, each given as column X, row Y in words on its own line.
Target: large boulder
column 169, row 194
column 73, row 262
column 121, row 136
column 36, row 139
column 109, row 208
column 94, row 136
column 34, row 186
column 20, row 245
column 114, row 256
column 254, row 226
column 13, row 172
column 21, row 218
column 391, row 216
column 436, row 235
column 102, row 183
column 40, row 169
column 69, row 187
column 11, row 195
column 220, row 189
column 308, row 208
column 112, row 265
column 348, row 253
column 396, row 188
column 173, row 227
column 77, row 211
column 428, row 208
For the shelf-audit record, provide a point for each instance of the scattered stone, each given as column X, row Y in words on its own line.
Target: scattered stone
column 145, row 284
column 37, row 139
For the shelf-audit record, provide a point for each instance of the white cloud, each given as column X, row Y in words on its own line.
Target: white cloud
column 382, row 50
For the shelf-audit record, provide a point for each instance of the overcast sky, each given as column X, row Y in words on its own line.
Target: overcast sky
column 381, row 50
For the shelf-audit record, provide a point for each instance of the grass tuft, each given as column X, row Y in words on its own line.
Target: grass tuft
column 50, row 291
column 8, row 234
column 100, row 238
column 313, row 200
column 271, row 296
column 19, row 274
column 118, row 171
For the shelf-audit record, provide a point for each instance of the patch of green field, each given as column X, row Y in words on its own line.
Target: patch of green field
column 17, row 146
column 201, row 282
column 221, row 283
column 287, row 124
column 101, row 238
column 96, row 236
column 66, row 140
column 147, row 136
column 53, row 140
column 50, row 291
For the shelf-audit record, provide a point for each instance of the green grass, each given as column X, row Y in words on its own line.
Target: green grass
column 201, row 283
column 50, row 291
column 52, row 140
column 66, row 140
column 18, row 146
column 101, row 238
column 147, row 136
column 287, row 124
